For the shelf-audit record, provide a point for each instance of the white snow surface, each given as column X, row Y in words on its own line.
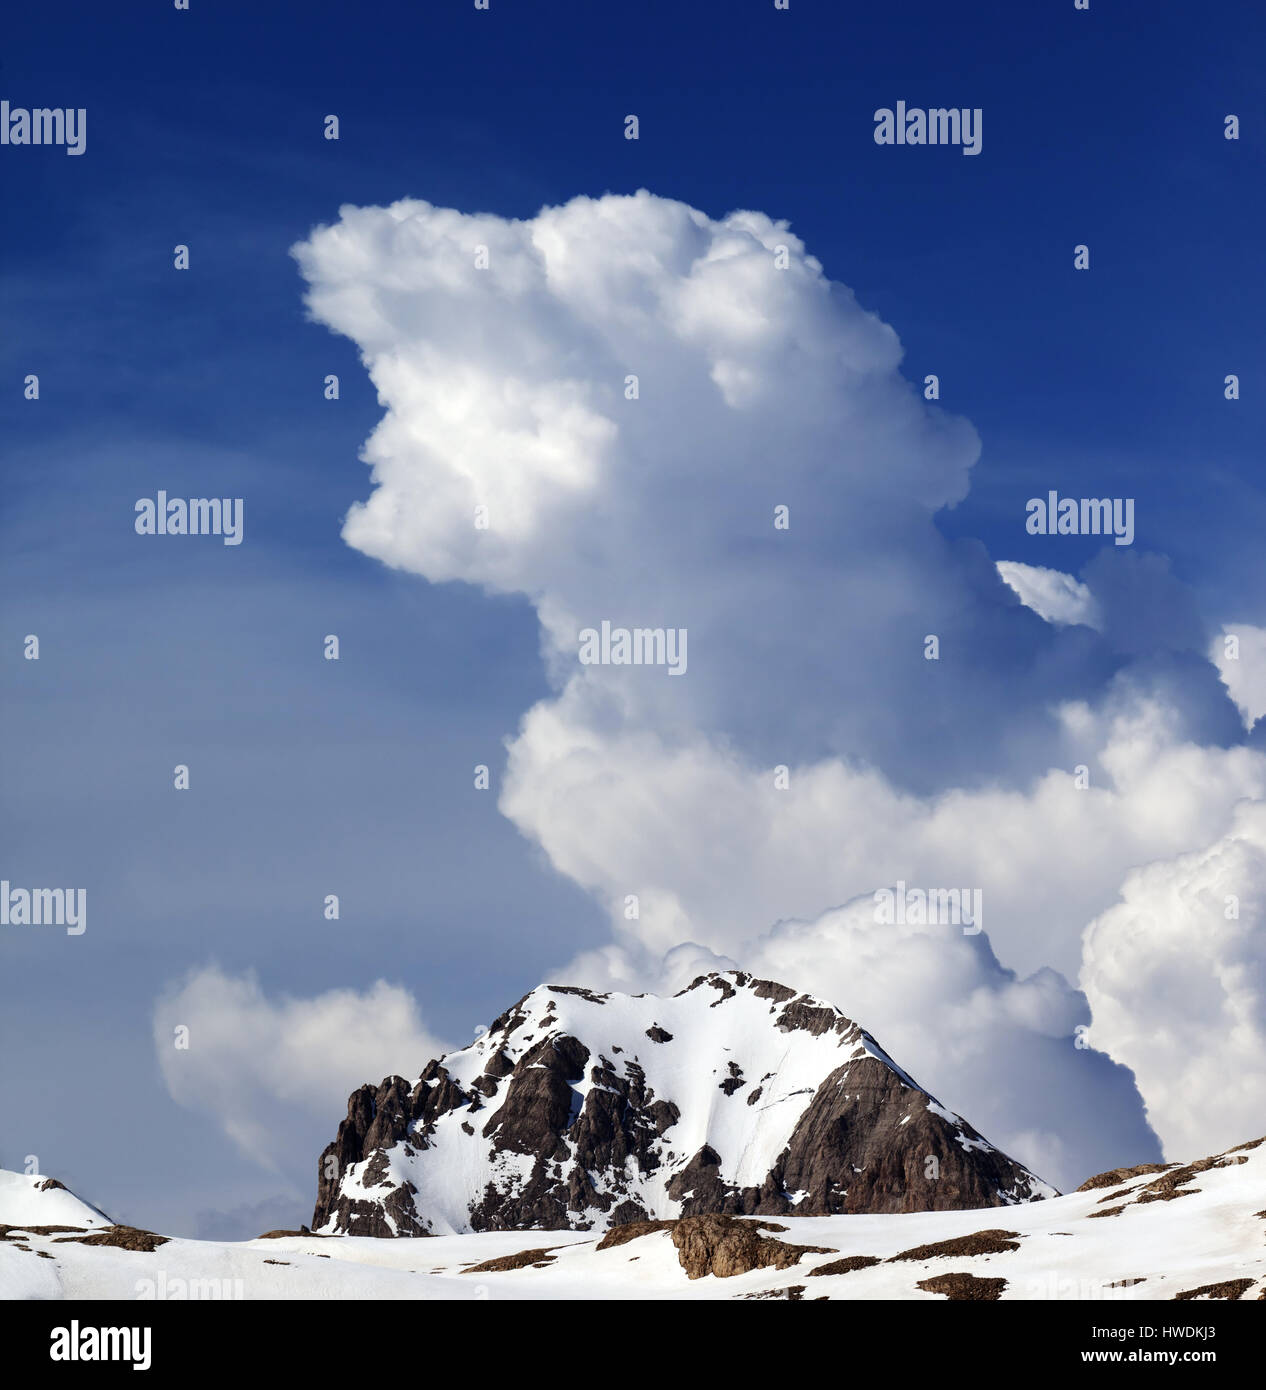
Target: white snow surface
column 718, row 1020
column 25, row 1197
column 1149, row 1251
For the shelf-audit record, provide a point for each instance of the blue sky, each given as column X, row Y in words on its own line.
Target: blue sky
column 204, row 128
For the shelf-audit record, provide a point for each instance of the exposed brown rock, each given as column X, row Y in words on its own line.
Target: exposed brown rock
column 377, row 1118
column 518, row 1261
column 1114, row 1177
column 721, row 1245
column 359, row 1216
column 499, row 1065
column 811, row 1018
column 120, row 1238
column 376, row 1170
column 25, row 1231
column 850, row 1152
column 1173, row 1183
column 847, row 1265
column 632, row 1230
column 619, row 1124
column 978, row 1243
column 1174, row 1180
column 965, row 1287
column 718, row 982
column 734, row 1081
column 1231, row 1288
column 594, row 996
column 537, row 1106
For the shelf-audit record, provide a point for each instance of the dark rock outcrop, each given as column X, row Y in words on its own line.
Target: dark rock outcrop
column 965, row 1288
column 1115, row 1176
column 720, row 1245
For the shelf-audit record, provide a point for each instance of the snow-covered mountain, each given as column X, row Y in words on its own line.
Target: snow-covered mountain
column 1153, row 1232
column 578, row 1111
column 45, row 1202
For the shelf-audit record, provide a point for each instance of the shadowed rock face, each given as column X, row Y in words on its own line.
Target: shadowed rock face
column 851, row 1152
column 578, row 1110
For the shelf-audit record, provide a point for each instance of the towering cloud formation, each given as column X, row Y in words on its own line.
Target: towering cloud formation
column 1176, row 976
column 757, row 387
column 627, row 391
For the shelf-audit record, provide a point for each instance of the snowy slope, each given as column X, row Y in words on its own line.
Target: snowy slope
column 578, row 1110
column 44, row 1201
column 1151, row 1236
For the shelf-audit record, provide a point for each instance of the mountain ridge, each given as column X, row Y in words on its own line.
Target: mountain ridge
column 1122, row 1236
column 580, row 1110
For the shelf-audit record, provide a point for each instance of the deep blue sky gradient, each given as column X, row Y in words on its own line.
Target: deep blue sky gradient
column 205, row 128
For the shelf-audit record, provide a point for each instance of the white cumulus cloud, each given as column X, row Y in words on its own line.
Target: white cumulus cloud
column 1239, row 653
column 276, row 1073
column 1051, row 594
column 715, row 852
column 1176, row 976
column 509, row 388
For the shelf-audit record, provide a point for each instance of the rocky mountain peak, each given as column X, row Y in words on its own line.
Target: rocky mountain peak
column 580, row 1110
